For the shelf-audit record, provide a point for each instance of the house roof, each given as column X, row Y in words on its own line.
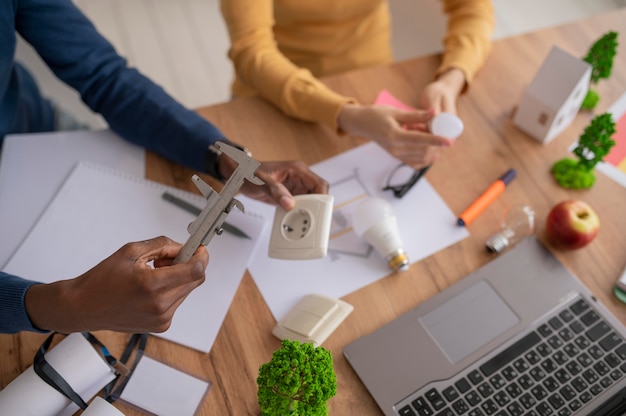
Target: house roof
column 557, row 77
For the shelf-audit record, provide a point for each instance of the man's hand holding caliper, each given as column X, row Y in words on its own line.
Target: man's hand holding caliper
column 140, row 286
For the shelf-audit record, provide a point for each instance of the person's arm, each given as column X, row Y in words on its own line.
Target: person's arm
column 466, row 46
column 13, row 315
column 122, row 293
column 133, row 106
column 259, row 64
column 468, row 39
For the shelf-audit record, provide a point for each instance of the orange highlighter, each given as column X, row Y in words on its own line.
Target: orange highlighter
column 487, row 197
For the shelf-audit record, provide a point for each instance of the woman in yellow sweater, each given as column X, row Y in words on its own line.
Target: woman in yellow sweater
column 279, row 47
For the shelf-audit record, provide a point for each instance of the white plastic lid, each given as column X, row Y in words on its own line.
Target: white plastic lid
column 447, row 125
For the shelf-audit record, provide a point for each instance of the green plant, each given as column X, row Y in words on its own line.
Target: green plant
column 590, row 101
column 600, row 56
column 593, row 145
column 297, row 381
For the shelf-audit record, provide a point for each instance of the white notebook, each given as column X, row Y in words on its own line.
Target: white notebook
column 34, row 166
column 97, row 210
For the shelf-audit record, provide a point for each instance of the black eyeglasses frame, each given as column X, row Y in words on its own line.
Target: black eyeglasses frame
column 400, row 190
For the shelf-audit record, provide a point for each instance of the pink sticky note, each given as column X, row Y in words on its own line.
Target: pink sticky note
column 385, row 98
column 617, row 155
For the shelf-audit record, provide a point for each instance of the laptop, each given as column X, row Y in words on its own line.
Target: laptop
column 521, row 336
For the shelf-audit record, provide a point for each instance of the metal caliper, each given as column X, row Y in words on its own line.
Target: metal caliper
column 218, row 205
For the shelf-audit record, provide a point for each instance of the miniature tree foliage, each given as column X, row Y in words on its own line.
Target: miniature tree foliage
column 593, row 145
column 600, row 56
column 297, row 381
column 595, row 142
column 570, row 175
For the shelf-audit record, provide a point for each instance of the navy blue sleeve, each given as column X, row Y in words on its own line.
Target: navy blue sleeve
column 13, row 316
column 134, row 107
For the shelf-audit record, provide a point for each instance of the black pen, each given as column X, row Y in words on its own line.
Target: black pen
column 229, row 228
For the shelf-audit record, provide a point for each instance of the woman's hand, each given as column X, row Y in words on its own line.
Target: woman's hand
column 404, row 134
column 441, row 94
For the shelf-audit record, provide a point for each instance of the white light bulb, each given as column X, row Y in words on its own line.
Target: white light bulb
column 518, row 222
column 374, row 220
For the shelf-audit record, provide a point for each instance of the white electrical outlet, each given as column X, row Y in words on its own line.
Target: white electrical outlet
column 303, row 232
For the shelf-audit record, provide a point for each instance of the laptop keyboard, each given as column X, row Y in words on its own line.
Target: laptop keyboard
column 567, row 360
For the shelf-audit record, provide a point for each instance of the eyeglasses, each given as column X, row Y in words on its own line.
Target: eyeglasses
column 402, row 178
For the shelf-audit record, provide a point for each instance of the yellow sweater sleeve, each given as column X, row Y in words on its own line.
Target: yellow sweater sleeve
column 468, row 38
column 314, row 42
column 262, row 68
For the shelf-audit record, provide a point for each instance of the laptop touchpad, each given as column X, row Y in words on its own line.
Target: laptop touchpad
column 469, row 320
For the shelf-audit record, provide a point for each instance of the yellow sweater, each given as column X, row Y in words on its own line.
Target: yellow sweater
column 279, row 47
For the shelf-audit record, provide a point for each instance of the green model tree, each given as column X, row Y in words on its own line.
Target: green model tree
column 593, row 145
column 297, row 381
column 600, row 56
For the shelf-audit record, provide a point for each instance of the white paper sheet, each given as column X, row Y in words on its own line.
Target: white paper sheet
column 75, row 359
column 34, row 166
column 163, row 390
column 100, row 407
column 426, row 226
column 97, row 210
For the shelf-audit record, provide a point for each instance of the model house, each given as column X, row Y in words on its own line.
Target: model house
column 554, row 96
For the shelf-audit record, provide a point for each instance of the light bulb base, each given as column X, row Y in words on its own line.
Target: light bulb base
column 497, row 242
column 398, row 260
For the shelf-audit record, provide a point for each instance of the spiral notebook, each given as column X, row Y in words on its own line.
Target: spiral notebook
column 97, row 210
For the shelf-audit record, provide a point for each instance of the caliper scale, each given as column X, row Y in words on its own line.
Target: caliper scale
column 218, row 205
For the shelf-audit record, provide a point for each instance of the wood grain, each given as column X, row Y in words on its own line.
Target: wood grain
column 488, row 147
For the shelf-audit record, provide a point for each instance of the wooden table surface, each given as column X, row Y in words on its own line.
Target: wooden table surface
column 490, row 145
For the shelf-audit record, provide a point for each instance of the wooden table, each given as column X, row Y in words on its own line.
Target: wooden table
column 489, row 146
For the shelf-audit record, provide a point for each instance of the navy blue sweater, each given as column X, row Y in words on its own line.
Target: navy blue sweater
column 133, row 106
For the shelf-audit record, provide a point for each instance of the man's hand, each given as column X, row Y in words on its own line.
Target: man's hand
column 137, row 289
column 404, row 134
column 282, row 181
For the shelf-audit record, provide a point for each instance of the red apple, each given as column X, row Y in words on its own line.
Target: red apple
column 571, row 224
